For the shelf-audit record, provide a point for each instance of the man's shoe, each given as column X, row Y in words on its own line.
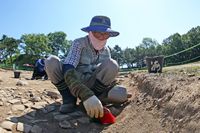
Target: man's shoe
column 45, row 78
column 69, row 101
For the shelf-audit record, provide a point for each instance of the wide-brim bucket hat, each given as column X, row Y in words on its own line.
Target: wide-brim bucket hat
column 101, row 24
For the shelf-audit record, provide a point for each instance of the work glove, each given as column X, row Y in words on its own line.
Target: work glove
column 93, row 107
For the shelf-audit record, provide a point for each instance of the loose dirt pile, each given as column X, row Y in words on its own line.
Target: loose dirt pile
column 167, row 102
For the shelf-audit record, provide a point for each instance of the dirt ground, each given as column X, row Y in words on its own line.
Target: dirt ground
column 161, row 103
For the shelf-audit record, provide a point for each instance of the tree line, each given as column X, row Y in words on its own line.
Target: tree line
column 176, row 48
column 32, row 46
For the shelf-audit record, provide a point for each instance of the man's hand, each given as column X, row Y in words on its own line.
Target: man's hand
column 93, row 107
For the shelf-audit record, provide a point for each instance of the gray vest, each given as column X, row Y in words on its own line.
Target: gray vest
column 90, row 59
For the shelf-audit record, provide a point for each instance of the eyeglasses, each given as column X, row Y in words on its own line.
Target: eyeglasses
column 101, row 35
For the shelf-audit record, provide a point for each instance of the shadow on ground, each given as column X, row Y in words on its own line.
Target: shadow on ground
column 47, row 119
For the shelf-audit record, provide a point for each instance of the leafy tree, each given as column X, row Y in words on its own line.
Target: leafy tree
column 175, row 43
column 117, row 54
column 148, row 42
column 159, row 50
column 129, row 57
column 149, row 46
column 193, row 36
column 65, row 49
column 9, row 47
column 36, row 44
column 58, row 43
column 2, row 48
column 139, row 55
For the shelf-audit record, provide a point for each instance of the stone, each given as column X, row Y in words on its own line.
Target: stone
column 65, row 124
column 49, row 101
column 32, row 113
column 37, row 121
column 35, row 99
column 28, row 105
column 53, row 95
column 14, row 101
column 28, row 117
column 84, row 120
column 1, row 104
column 18, row 107
column 76, row 114
column 9, row 112
column 37, row 107
column 2, row 130
column 48, row 109
column 24, row 101
column 36, row 129
column 12, row 119
column 3, row 99
column 23, row 127
column 40, row 104
column 8, row 125
column 61, row 117
column 21, row 83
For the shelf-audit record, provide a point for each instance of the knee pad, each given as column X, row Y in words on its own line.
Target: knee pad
column 118, row 94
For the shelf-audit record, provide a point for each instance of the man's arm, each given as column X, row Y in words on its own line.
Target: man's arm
column 77, row 88
column 91, row 103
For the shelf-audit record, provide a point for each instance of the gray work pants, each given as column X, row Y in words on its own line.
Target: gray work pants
column 105, row 72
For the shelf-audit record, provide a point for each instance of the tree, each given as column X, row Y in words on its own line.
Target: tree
column 129, row 57
column 149, row 46
column 175, row 43
column 139, row 55
column 58, row 43
column 65, row 49
column 36, row 44
column 9, row 47
column 193, row 36
column 117, row 54
column 148, row 42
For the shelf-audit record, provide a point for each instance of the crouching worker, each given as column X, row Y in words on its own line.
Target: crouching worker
column 39, row 70
column 88, row 71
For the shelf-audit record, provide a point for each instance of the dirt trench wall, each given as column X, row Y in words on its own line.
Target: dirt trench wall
column 177, row 97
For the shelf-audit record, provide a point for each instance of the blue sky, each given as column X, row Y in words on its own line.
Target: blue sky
column 134, row 19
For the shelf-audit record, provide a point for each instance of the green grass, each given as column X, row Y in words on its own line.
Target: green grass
column 183, row 70
column 190, row 68
column 10, row 67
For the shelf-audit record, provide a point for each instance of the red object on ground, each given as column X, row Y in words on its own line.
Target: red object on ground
column 108, row 117
column 28, row 65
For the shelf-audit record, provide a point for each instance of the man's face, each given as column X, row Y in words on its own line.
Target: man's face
column 100, row 35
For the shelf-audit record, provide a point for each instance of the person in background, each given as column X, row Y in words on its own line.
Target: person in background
column 39, row 70
column 88, row 72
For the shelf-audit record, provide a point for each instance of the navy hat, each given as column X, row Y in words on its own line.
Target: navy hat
column 101, row 24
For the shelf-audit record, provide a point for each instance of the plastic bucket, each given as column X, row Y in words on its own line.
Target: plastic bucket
column 155, row 64
column 16, row 74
